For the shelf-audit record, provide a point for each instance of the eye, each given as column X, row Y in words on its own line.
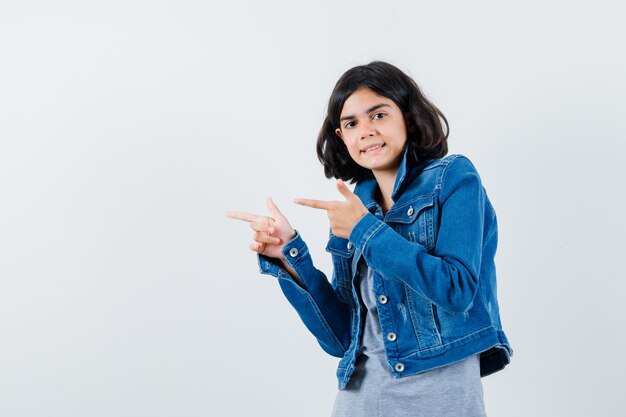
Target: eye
column 349, row 125
column 379, row 114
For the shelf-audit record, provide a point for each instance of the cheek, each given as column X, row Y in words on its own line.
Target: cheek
column 354, row 150
column 349, row 144
column 400, row 136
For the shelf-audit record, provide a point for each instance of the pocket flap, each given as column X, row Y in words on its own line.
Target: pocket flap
column 409, row 211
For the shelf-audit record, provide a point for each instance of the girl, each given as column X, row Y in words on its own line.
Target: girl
column 412, row 309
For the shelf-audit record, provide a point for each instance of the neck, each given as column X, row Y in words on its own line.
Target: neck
column 385, row 180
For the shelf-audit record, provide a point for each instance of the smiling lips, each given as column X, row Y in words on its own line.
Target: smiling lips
column 372, row 148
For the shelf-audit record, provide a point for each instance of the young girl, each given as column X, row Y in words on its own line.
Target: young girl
column 412, row 309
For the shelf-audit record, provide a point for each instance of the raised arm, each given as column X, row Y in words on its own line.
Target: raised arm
column 449, row 276
column 283, row 254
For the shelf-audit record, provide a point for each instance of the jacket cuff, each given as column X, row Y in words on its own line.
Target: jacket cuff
column 293, row 251
column 364, row 229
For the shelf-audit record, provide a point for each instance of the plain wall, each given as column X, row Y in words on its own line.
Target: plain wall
column 128, row 128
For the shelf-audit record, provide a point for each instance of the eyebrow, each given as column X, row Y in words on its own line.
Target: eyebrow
column 371, row 109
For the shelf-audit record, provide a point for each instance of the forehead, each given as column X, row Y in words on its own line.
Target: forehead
column 362, row 99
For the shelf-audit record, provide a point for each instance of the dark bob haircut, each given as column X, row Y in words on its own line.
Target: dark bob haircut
column 427, row 139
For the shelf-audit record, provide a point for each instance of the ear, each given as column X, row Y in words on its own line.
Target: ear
column 338, row 133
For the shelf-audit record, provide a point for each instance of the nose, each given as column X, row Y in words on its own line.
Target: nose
column 367, row 129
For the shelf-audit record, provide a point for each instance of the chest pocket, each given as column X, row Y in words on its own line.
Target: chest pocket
column 415, row 220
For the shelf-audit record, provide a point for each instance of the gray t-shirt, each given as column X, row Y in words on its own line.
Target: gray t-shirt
column 452, row 390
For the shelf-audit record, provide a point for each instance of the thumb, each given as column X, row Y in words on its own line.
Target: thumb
column 344, row 190
column 273, row 208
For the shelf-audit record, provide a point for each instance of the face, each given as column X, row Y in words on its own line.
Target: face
column 374, row 131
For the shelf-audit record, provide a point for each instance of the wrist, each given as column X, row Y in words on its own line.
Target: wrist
column 287, row 246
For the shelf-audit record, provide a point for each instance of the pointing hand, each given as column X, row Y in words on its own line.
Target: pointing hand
column 343, row 215
column 270, row 233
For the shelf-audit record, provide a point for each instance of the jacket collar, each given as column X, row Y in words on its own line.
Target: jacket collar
column 366, row 189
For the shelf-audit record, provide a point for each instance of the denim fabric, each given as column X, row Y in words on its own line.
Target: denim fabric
column 434, row 274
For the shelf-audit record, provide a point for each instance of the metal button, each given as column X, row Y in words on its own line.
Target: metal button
column 293, row 252
column 391, row 336
column 410, row 211
column 382, row 299
column 349, row 245
column 399, row 367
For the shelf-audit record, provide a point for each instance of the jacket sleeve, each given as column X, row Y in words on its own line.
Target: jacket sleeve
column 316, row 302
column 448, row 276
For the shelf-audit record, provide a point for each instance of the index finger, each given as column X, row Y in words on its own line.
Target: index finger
column 318, row 204
column 271, row 206
column 241, row 216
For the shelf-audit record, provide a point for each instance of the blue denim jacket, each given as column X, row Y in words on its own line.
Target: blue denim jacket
column 434, row 275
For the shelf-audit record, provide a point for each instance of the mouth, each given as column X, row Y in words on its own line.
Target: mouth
column 373, row 148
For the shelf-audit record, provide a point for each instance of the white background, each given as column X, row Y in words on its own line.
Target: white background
column 128, row 128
